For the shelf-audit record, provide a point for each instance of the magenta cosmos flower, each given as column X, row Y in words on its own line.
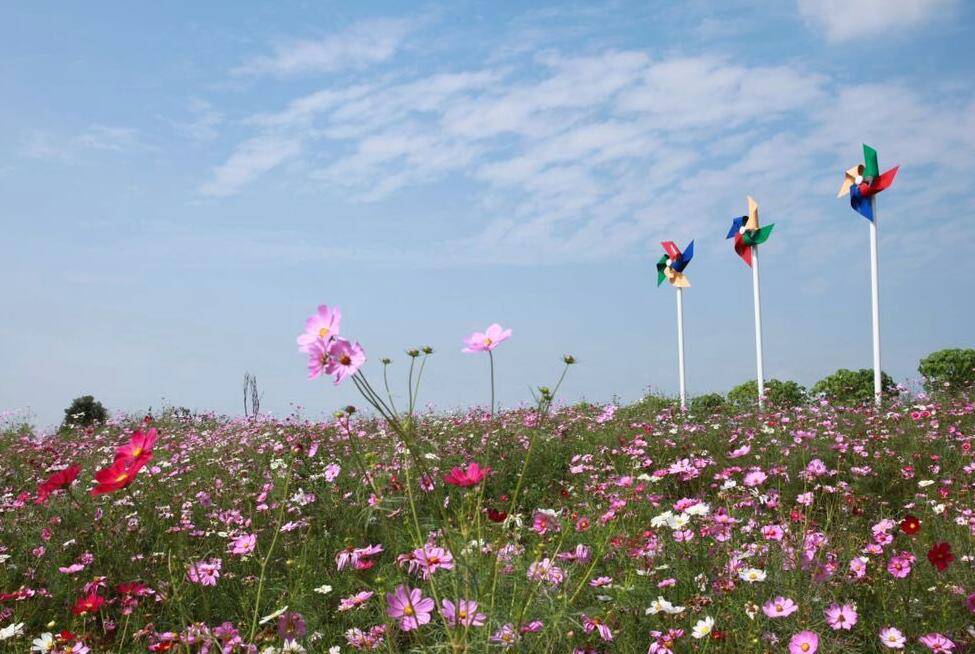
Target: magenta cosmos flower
column 464, row 613
column 779, row 607
column 410, row 607
column 841, row 617
column 937, row 643
column 487, row 341
column 804, row 642
column 337, row 357
column 322, row 326
column 473, row 476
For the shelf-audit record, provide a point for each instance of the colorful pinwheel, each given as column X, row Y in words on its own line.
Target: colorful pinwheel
column 671, row 265
column 864, row 181
column 747, row 233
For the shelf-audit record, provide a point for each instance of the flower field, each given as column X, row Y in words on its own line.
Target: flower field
column 547, row 529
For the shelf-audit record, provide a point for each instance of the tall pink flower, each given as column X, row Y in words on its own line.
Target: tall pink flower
column 464, row 613
column 937, row 643
column 474, row 475
column 841, row 617
column 322, row 326
column 344, row 359
column 804, row 642
column 488, row 340
column 779, row 607
column 431, row 559
column 410, row 607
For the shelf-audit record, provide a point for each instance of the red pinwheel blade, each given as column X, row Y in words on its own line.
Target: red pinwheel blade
column 744, row 251
column 671, row 249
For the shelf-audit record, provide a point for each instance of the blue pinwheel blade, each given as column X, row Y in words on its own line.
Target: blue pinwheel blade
column 685, row 258
column 736, row 224
column 862, row 205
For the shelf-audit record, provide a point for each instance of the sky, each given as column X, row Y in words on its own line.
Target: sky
column 182, row 183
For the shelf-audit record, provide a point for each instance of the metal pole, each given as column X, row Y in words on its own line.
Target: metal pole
column 680, row 347
column 875, row 292
column 758, row 328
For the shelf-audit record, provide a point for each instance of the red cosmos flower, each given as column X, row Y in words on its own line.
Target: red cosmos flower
column 474, row 475
column 118, row 475
column 497, row 516
column 910, row 525
column 139, row 444
column 940, row 556
column 88, row 604
column 132, row 588
column 58, row 480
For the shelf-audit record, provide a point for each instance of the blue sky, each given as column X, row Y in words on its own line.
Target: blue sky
column 181, row 184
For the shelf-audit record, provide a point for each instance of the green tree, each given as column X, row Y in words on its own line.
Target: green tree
column 950, row 371
column 852, row 387
column 707, row 404
column 778, row 393
column 84, row 411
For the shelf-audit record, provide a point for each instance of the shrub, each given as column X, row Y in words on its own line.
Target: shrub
column 949, row 371
column 85, row 411
column 780, row 393
column 852, row 387
column 707, row 404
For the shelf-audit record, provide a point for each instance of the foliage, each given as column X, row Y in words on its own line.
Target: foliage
column 707, row 404
column 949, row 371
column 852, row 387
column 778, row 393
column 85, row 411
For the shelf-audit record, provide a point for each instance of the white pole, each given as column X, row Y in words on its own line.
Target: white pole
column 758, row 328
column 875, row 292
column 680, row 347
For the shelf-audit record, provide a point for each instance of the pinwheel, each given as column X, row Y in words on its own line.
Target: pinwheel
column 671, row 265
column 747, row 233
column 864, row 181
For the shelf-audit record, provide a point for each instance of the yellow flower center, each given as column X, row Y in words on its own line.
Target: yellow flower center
column 462, row 613
column 122, row 477
column 804, row 647
column 488, row 341
column 778, row 607
column 345, row 359
column 408, row 610
column 137, row 452
column 323, row 332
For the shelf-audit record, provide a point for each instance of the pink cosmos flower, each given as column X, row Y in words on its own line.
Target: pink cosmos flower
column 841, row 617
column 900, row 565
column 353, row 556
column 464, row 613
column 344, row 359
column 139, row 444
column 804, row 642
column 892, row 638
column 317, row 359
column 937, row 643
column 204, row 572
column 506, row 636
column 773, row 532
column 243, row 545
column 590, row 625
column 431, row 559
column 410, row 607
column 970, row 602
column 546, row 571
column 754, row 478
column 355, row 601
column 487, row 341
column 474, row 475
column 322, row 326
column 779, row 607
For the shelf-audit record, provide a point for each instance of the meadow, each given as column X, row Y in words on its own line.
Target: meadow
column 551, row 528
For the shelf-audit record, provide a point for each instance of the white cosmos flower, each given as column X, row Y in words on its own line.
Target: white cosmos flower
column 44, row 643
column 699, row 509
column 11, row 630
column 703, row 627
column 324, row 589
column 660, row 605
column 661, row 520
column 752, row 575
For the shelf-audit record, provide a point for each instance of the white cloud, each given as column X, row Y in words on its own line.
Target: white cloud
column 45, row 146
column 363, row 44
column 252, row 159
column 843, row 20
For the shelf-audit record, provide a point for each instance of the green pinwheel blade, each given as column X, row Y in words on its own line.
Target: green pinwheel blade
column 661, row 266
column 757, row 236
column 871, row 168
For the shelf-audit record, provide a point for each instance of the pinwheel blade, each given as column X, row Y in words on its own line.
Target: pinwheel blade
column 871, row 168
column 671, row 249
column 861, row 203
column 661, row 268
column 736, row 225
column 752, row 214
column 743, row 251
column 849, row 178
column 758, row 236
column 686, row 257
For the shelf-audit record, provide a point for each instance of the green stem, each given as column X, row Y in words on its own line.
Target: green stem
column 267, row 557
column 491, row 357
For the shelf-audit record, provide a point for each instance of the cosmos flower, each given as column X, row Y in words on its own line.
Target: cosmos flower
column 937, row 643
column 464, row 613
column 473, row 475
column 344, row 359
column 892, row 638
column 804, row 642
column 940, row 556
column 488, row 340
column 322, row 326
column 410, row 607
column 596, row 624
column 57, row 481
column 841, row 617
column 779, row 607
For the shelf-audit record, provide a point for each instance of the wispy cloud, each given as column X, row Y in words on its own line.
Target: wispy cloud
column 843, row 20
column 45, row 146
column 362, row 44
column 252, row 159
